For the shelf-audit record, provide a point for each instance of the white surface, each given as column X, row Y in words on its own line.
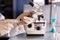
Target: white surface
column 40, row 2
column 36, row 32
column 56, row 1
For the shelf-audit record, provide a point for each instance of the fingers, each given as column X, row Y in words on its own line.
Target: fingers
column 5, row 28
